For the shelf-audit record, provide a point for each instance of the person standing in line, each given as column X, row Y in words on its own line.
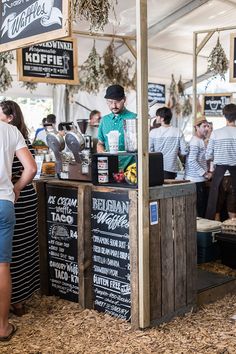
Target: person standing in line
column 116, row 99
column 221, row 149
column 49, row 125
column 196, row 167
column 40, row 129
column 11, row 142
column 169, row 141
column 25, row 254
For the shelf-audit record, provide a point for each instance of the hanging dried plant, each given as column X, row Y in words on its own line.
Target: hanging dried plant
column 96, row 12
column 116, row 69
column 5, row 76
column 72, row 90
column 91, row 73
column 187, row 107
column 173, row 98
column 31, row 86
column 217, row 61
column 180, row 87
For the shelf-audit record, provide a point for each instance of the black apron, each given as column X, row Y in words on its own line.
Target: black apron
column 214, row 188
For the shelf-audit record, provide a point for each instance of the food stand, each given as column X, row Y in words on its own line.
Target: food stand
column 105, row 247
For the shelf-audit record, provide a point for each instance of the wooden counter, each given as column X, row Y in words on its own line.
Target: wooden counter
column 107, row 247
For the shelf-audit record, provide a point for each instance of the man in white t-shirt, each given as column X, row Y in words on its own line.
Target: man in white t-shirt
column 11, row 142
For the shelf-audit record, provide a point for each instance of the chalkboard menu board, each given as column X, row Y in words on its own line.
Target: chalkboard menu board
column 214, row 104
column 25, row 22
column 156, row 92
column 52, row 62
column 111, row 261
column 62, row 242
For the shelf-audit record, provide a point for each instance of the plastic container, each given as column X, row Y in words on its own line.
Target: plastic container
column 227, row 245
column 207, row 246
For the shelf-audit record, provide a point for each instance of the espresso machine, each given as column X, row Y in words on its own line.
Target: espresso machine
column 74, row 161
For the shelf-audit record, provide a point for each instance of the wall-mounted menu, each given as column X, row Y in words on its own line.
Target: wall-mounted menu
column 24, row 22
column 156, row 92
column 62, row 242
column 111, row 257
column 50, row 62
column 214, row 103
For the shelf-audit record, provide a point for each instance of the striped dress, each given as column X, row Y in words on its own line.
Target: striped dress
column 25, row 257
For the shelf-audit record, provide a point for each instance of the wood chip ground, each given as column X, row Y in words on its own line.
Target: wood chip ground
column 56, row 326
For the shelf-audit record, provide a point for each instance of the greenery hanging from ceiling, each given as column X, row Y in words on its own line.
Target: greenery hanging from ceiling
column 96, row 12
column 217, row 61
column 116, row 69
column 5, row 76
column 30, row 86
column 91, row 73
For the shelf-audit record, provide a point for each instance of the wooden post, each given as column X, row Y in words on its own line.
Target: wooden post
column 143, row 168
column 194, row 75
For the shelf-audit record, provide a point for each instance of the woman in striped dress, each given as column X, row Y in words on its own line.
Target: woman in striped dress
column 25, row 258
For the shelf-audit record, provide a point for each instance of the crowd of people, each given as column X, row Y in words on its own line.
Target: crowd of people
column 19, row 257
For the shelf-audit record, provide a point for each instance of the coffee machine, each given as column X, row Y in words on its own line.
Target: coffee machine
column 73, row 159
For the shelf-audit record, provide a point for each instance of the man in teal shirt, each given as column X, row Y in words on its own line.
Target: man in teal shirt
column 115, row 97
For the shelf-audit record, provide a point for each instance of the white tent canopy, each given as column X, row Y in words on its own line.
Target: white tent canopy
column 171, row 25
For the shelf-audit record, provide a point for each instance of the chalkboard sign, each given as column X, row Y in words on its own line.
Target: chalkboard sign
column 111, row 261
column 214, row 104
column 156, row 92
column 51, row 62
column 232, row 62
column 62, row 242
column 28, row 22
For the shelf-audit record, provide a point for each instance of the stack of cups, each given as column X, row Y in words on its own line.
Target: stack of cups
column 103, row 173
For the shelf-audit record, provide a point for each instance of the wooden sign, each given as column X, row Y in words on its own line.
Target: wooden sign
column 28, row 22
column 232, row 63
column 111, row 257
column 51, row 62
column 156, row 92
column 62, row 242
column 214, row 103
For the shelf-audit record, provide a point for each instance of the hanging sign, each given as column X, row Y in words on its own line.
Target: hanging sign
column 232, row 64
column 26, row 22
column 156, row 92
column 214, row 103
column 51, row 62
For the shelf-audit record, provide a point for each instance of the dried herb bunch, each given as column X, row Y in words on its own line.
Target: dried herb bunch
column 5, row 76
column 94, row 11
column 116, row 69
column 31, row 86
column 91, row 72
column 217, row 61
column 187, row 107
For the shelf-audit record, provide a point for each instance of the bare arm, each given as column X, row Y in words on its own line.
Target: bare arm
column 30, row 169
column 100, row 147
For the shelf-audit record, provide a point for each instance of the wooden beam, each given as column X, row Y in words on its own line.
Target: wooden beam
column 131, row 48
column 204, row 42
column 174, row 51
column 103, row 36
column 143, row 167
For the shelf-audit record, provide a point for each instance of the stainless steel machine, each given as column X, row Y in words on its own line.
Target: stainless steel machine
column 72, row 151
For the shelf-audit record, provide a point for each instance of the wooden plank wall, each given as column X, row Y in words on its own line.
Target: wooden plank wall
column 173, row 258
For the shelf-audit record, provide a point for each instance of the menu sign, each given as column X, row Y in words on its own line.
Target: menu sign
column 62, row 242
column 111, row 258
column 214, row 104
column 24, row 22
column 232, row 62
column 156, row 92
column 51, row 62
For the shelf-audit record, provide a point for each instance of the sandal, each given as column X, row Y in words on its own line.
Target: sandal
column 7, row 338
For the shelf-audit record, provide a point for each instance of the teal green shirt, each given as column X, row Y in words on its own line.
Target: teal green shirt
column 111, row 122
